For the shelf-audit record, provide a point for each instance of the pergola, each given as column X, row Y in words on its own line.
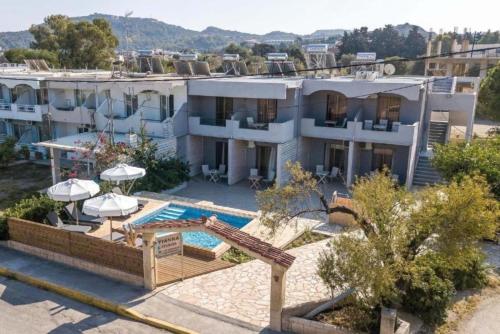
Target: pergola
column 279, row 261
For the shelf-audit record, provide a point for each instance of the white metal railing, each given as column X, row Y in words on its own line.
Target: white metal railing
column 4, row 105
column 26, row 107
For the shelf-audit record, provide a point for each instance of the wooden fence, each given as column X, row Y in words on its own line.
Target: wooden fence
column 77, row 245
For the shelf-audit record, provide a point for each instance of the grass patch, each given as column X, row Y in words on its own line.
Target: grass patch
column 305, row 238
column 236, row 256
column 458, row 312
column 21, row 181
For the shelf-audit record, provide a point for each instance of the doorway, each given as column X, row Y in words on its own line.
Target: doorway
column 336, row 156
column 266, row 160
column 220, row 153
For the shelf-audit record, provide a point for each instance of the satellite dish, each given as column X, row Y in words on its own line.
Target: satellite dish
column 389, row 69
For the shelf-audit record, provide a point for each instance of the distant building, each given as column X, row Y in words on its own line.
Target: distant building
column 461, row 64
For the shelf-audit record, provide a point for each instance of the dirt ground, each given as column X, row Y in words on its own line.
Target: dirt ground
column 22, row 180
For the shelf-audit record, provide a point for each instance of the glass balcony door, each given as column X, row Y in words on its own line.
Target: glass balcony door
column 223, row 110
column 267, row 110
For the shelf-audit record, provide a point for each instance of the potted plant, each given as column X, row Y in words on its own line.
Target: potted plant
column 25, row 152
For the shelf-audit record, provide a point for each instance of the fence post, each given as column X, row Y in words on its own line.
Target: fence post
column 387, row 320
column 149, row 261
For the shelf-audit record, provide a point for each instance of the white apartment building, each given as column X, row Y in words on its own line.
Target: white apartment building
column 358, row 125
column 61, row 112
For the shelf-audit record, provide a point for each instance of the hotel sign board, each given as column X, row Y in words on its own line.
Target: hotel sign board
column 168, row 245
column 366, row 56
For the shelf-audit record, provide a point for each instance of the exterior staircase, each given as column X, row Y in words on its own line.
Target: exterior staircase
column 438, row 132
column 425, row 173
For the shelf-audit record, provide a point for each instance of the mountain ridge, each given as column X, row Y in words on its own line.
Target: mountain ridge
column 148, row 33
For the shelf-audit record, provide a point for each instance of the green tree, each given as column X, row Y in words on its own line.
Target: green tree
column 77, row 44
column 356, row 41
column 457, row 160
column 489, row 95
column 234, row 48
column 386, row 42
column 7, row 151
column 402, row 67
column 490, row 37
column 263, row 49
column 19, row 55
column 397, row 229
column 414, row 44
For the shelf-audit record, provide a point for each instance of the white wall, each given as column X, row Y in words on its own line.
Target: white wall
column 286, row 152
column 194, row 154
column 238, row 167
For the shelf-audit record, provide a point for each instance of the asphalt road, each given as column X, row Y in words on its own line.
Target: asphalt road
column 25, row 309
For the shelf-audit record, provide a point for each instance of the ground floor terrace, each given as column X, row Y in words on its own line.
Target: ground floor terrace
column 354, row 159
column 238, row 159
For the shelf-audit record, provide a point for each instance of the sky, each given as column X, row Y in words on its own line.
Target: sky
column 261, row 16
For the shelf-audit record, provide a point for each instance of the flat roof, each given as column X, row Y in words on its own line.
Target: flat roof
column 79, row 142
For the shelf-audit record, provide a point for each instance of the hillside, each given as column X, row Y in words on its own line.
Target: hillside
column 146, row 33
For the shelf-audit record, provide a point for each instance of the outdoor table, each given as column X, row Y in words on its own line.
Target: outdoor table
column 214, row 175
column 255, row 181
column 331, row 123
column 322, row 176
column 259, row 125
column 380, row 127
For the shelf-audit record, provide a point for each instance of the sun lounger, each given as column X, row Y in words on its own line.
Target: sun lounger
column 55, row 221
column 73, row 212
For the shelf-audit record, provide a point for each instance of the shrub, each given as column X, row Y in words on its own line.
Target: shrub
column 426, row 294
column 4, row 228
column 163, row 174
column 7, row 151
column 34, row 208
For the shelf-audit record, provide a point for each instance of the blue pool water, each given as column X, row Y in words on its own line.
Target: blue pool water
column 199, row 239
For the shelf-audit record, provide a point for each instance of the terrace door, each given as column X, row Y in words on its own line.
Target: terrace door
column 336, row 107
column 267, row 110
column 336, row 157
column 263, row 159
column 220, row 153
column 388, row 108
column 223, row 110
column 382, row 157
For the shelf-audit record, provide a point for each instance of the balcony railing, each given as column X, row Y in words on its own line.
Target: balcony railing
column 26, row 108
column 4, row 105
column 396, row 134
column 277, row 132
column 311, row 127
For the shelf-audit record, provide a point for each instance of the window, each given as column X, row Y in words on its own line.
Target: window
column 131, row 104
column 336, row 107
column 163, row 107
column 382, row 157
column 171, row 105
column 83, row 130
column 223, row 109
column 267, row 110
column 388, row 108
column 80, row 98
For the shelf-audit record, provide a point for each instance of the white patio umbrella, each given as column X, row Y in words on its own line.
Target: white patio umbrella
column 73, row 190
column 123, row 172
column 109, row 206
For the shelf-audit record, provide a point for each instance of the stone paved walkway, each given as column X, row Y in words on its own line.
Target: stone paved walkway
column 242, row 292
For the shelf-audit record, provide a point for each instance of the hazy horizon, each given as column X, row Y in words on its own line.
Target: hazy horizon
column 260, row 16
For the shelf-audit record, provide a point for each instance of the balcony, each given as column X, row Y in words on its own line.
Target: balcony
column 311, row 127
column 4, row 105
column 23, row 112
column 277, row 132
column 210, row 127
column 404, row 134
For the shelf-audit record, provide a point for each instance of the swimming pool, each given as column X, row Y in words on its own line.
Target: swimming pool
column 199, row 239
